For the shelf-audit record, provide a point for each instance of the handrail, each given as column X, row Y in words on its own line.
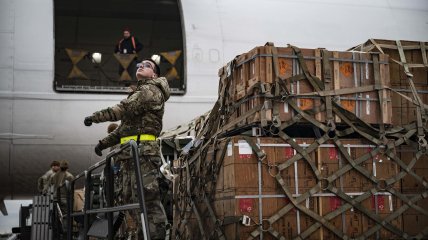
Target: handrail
column 109, row 209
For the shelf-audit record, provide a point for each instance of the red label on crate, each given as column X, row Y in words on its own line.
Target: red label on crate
column 371, row 149
column 332, row 152
column 246, row 205
column 380, row 202
column 245, row 156
column 288, row 152
column 335, row 203
column 282, row 66
column 346, row 69
column 306, row 103
column 244, row 149
column 348, row 105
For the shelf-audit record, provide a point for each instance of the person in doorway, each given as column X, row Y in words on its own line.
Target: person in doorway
column 128, row 45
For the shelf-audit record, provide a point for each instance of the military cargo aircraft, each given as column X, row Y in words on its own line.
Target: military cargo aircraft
column 51, row 76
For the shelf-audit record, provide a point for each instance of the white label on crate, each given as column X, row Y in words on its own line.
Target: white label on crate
column 367, row 71
column 368, row 105
column 285, row 107
column 244, row 147
column 374, row 168
column 229, row 149
column 296, row 179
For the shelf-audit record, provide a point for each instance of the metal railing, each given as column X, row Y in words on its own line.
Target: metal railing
column 110, row 208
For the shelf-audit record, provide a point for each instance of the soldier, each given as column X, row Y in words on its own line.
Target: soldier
column 58, row 183
column 43, row 181
column 141, row 118
column 60, row 192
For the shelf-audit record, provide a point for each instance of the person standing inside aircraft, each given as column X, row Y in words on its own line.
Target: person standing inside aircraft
column 128, row 45
column 43, row 181
column 141, row 115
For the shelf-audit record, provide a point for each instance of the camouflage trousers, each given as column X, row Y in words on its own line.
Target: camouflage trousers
column 126, row 193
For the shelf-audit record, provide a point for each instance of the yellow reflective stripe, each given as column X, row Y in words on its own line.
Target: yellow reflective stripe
column 143, row 137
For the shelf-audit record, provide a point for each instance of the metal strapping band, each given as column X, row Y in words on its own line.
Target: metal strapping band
column 305, row 57
column 220, row 234
column 378, row 47
column 424, row 54
column 275, row 116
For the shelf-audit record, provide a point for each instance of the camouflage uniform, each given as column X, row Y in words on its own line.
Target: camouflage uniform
column 43, row 182
column 140, row 113
column 57, row 180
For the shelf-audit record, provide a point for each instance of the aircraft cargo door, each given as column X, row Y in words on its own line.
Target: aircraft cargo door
column 87, row 34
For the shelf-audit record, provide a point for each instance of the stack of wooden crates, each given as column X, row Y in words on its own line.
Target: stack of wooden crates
column 306, row 145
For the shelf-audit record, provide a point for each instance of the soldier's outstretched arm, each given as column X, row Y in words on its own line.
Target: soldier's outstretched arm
column 137, row 102
column 108, row 114
column 132, row 105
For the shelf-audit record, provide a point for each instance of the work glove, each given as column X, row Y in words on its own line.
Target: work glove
column 88, row 121
column 99, row 148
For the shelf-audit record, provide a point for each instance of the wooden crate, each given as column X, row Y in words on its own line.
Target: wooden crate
column 248, row 187
column 415, row 54
column 348, row 71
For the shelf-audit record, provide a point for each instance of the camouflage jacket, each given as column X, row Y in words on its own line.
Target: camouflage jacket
column 43, row 181
column 140, row 113
column 58, row 179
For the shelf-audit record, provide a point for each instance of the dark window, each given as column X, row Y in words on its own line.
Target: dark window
column 96, row 26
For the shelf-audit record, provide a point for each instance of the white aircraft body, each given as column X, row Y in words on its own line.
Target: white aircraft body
column 39, row 124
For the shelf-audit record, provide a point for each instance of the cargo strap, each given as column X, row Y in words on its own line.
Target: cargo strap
column 420, row 111
column 327, row 83
column 319, row 86
column 376, row 73
column 276, row 121
column 375, row 44
column 424, row 54
column 316, row 83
